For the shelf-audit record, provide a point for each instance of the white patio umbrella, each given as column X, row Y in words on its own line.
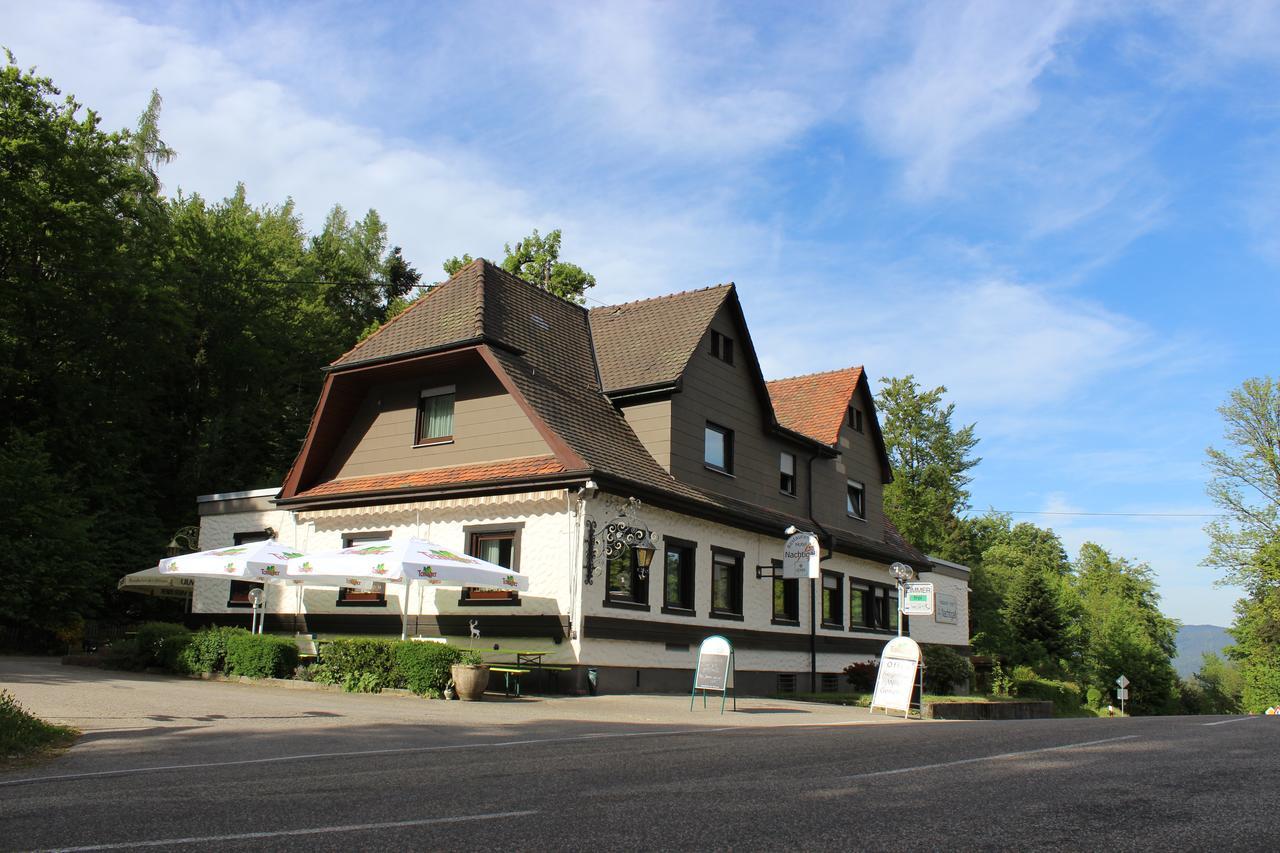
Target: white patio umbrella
column 253, row 561
column 151, row 582
column 403, row 561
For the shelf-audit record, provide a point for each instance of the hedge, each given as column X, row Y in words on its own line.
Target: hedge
column 944, row 668
column 161, row 643
column 359, row 665
column 424, row 667
column 207, row 650
column 261, row 655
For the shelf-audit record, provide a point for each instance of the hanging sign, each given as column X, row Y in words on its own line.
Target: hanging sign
column 946, row 608
column 800, row 557
column 917, row 599
column 715, row 671
column 897, row 675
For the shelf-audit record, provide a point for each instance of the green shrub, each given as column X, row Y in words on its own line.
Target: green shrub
column 1002, row 684
column 862, row 676
column 424, row 667
column 207, row 651
column 366, row 665
column 261, row 655
column 944, row 669
column 126, row 654
column 162, row 642
column 22, row 733
column 1064, row 695
column 469, row 657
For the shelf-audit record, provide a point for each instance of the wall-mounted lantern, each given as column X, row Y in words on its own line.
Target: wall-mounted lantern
column 623, row 532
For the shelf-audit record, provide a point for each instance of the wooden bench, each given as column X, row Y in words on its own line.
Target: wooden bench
column 511, row 678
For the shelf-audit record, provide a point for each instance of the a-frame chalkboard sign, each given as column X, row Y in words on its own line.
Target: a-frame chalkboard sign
column 714, row 672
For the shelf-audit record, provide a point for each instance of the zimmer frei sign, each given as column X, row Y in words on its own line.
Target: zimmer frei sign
column 800, row 557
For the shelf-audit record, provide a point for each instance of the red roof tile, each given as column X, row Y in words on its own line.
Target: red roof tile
column 511, row 469
column 815, row 404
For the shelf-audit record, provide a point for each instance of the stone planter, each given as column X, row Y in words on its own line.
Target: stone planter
column 470, row 681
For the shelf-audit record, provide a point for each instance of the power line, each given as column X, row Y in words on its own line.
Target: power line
column 1108, row 514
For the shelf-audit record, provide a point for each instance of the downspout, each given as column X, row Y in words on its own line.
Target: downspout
column 813, row 594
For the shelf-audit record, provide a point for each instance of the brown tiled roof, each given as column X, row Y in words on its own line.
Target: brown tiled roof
column 815, row 404
column 650, row 341
column 452, row 312
column 894, row 538
column 509, row 469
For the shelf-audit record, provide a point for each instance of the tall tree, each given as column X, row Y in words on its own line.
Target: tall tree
column 931, row 458
column 536, row 259
column 1245, row 545
column 149, row 150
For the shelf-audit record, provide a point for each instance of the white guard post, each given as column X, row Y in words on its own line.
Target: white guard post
column 897, row 675
column 715, row 671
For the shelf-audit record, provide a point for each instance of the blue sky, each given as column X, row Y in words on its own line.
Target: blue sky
column 1067, row 213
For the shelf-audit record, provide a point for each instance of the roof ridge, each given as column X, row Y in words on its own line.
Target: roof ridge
column 617, row 305
column 818, row 373
column 536, row 287
column 412, row 306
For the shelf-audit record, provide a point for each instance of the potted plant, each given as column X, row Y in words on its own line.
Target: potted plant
column 470, row 676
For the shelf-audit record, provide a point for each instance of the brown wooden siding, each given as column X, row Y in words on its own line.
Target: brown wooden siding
column 488, row 426
column 651, row 422
column 858, row 461
column 726, row 394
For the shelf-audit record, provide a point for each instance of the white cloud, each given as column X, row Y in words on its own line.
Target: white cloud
column 971, row 72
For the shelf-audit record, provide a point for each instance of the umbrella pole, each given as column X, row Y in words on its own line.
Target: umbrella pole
column 404, row 612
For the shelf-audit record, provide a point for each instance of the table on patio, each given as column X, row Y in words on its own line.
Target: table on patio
column 532, row 659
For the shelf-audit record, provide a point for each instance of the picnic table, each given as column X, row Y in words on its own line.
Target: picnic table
column 530, row 660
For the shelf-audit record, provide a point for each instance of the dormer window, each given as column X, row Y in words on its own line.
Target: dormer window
column 435, row 416
column 722, row 347
column 856, row 500
column 855, row 419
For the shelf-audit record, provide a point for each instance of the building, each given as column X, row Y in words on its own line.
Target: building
column 496, row 418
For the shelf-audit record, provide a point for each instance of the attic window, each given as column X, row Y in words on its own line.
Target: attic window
column 855, row 419
column 722, row 347
column 435, row 416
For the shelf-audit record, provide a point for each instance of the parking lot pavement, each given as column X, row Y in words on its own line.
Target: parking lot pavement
column 126, row 716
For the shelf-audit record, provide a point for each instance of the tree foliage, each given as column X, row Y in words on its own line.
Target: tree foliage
column 1245, row 545
column 536, row 259
column 931, row 458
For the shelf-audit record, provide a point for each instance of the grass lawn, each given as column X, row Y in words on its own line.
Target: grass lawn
column 25, row 736
column 863, row 700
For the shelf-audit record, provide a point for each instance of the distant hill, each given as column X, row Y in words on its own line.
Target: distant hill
column 1194, row 641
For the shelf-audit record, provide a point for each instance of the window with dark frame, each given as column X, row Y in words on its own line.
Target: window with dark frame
column 726, row 583
column 832, row 617
column 625, row 584
column 238, row 596
column 375, row 595
column 718, row 448
column 786, row 597
column 856, row 500
column 855, row 419
column 678, row 575
column 435, row 416
column 787, row 473
column 722, row 347
column 860, row 606
column 496, row 546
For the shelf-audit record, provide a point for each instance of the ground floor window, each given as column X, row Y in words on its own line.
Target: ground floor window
column 369, row 593
column 627, row 583
column 495, row 546
column 678, row 574
column 726, row 583
column 239, row 594
column 831, row 600
column 786, row 597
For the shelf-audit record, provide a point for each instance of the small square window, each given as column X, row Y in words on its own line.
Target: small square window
column 787, row 473
column 718, row 448
column 855, row 419
column 495, row 546
column 435, row 416
column 856, row 500
column 722, row 347
column 370, row 593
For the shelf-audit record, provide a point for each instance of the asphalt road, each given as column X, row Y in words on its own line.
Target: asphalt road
column 603, row 776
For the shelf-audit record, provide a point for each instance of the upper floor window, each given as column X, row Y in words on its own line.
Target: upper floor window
column 856, row 500
column 787, row 473
column 855, row 419
column 371, row 593
column 718, row 448
column 501, row 547
column 435, row 416
column 722, row 347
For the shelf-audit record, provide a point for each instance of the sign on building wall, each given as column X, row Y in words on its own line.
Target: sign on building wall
column 800, row 557
column 946, row 608
column 897, row 675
